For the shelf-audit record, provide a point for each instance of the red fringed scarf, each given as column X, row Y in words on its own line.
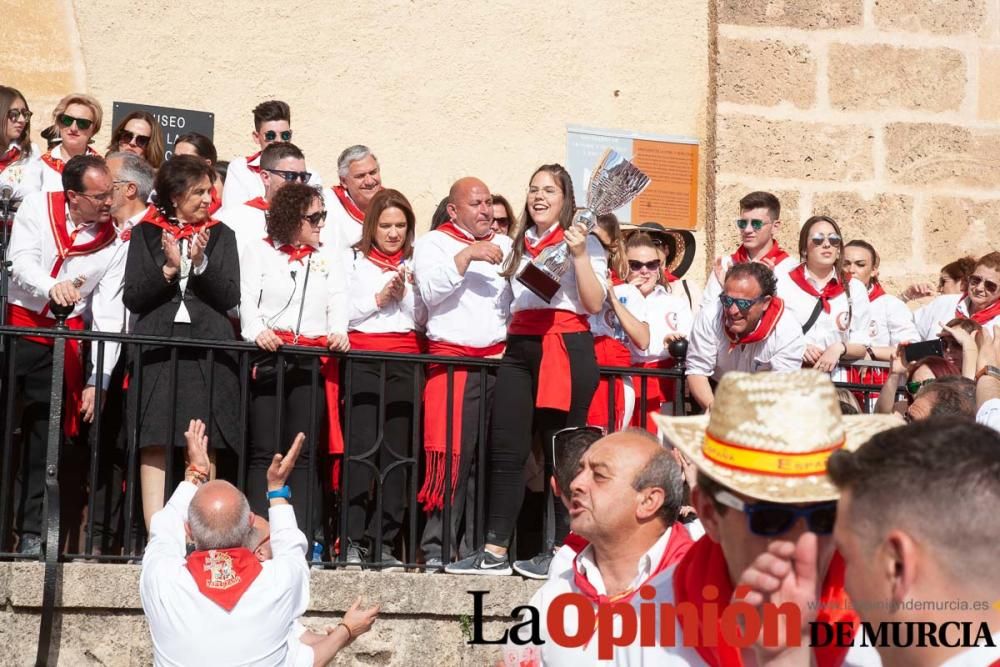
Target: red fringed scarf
column 831, row 290
column 224, row 575
column 768, row 323
column 345, row 200
column 459, row 234
column 179, row 232
column 983, row 316
column 775, row 255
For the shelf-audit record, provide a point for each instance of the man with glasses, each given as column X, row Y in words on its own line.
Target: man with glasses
column 360, row 180
column 761, row 490
column 747, row 331
column 272, row 123
column 949, row 396
column 280, row 163
column 62, row 250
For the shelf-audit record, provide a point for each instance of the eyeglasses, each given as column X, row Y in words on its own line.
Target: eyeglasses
column 913, row 387
column 560, row 437
column 548, row 191
column 742, row 304
column 14, row 114
column 771, row 519
column 291, row 176
column 636, row 265
column 990, row 286
column 141, row 140
column 754, row 222
column 67, row 121
column 502, row 221
column 271, row 135
column 316, row 218
column 103, row 197
column 818, row 239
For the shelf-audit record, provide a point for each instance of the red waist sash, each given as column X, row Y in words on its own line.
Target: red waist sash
column 609, row 352
column 408, row 342
column 554, row 374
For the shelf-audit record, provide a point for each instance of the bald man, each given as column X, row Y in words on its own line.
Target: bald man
column 457, row 271
column 624, row 500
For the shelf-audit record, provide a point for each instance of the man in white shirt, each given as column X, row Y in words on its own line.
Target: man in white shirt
column 360, row 180
column 457, row 272
column 749, row 332
column 62, row 249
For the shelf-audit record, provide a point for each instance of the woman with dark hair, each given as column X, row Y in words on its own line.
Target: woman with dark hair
column 182, row 275
column 77, row 117
column 293, row 293
column 832, row 307
column 548, row 374
column 503, row 216
column 17, row 154
column 912, row 377
column 951, row 280
column 385, row 314
column 441, row 214
column 139, row 133
column 980, row 302
column 201, row 146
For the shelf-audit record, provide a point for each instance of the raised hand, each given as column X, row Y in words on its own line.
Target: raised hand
column 282, row 464
column 197, row 446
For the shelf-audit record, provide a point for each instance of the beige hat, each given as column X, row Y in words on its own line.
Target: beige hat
column 769, row 435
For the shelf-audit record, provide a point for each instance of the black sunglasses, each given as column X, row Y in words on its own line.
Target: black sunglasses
column 141, row 140
column 14, row 114
column 271, row 135
column 502, row 221
column 66, row 121
column 291, row 176
column 988, row 285
column 755, row 223
column 636, row 265
column 315, row 218
column 742, row 304
column 818, row 239
column 772, row 519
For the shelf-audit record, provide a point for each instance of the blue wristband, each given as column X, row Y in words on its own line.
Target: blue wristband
column 283, row 492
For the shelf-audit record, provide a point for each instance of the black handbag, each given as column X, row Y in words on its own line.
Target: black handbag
column 264, row 365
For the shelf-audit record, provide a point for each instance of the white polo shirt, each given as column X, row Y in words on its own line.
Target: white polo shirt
column 891, row 322
column 668, row 312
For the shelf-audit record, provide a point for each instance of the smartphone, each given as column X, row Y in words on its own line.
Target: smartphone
column 925, row 348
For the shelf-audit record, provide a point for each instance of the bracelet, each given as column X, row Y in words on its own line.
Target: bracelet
column 283, row 492
column 199, row 475
column 350, row 635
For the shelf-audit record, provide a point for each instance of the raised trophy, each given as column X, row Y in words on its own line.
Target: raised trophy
column 614, row 183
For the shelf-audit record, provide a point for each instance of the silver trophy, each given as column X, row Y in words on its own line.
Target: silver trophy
column 614, row 183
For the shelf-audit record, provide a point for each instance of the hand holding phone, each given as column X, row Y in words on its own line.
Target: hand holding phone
column 925, row 348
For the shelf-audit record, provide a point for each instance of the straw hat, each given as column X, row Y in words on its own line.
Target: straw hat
column 769, row 435
column 678, row 244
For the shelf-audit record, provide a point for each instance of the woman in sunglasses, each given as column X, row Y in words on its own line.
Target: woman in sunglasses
column 139, row 133
column 78, row 118
column 670, row 319
column 503, row 216
column 832, row 307
column 951, row 280
column 18, row 156
column 293, row 293
column 910, row 377
column 980, row 302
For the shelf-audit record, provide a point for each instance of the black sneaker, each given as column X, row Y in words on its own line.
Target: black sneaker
column 536, row 568
column 483, row 563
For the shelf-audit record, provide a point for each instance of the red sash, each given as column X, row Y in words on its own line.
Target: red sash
column 255, row 168
column 59, row 164
column 179, row 232
column 406, row 342
column 458, row 234
column 436, row 419
column 983, row 316
column 831, row 290
column 705, row 565
column 768, row 323
column 383, row 261
column 875, row 292
column 224, row 575
column 65, row 242
column 345, row 200
column 258, row 203
column 550, row 240
column 776, row 255
column 19, row 316
column 12, row 155
column 294, row 254
column 554, row 372
column 659, row 390
column 609, row 352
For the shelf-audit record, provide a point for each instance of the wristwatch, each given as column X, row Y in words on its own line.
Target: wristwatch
column 283, row 492
column 992, row 371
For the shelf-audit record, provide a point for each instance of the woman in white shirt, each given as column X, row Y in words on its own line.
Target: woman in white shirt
column 980, row 301
column 385, row 314
column 17, row 152
column 293, row 292
column 78, row 119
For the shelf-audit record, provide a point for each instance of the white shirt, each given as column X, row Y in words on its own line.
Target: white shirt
column 470, row 310
column 271, row 290
column 188, row 628
column 121, row 248
column 39, row 176
column 713, row 288
column 606, row 323
column 23, row 176
column 891, row 322
column 943, row 310
column 845, row 323
column 342, row 229
column 249, row 223
column 567, row 298
column 668, row 312
column 710, row 353
column 365, row 280
column 989, row 414
column 32, row 253
column 242, row 184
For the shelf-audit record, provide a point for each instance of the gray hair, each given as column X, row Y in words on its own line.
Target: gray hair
column 135, row 170
column 352, row 154
column 221, row 530
column 662, row 472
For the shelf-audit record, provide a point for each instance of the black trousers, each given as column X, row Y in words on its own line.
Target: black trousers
column 374, row 444
column 303, row 410
column 515, row 419
column 108, row 489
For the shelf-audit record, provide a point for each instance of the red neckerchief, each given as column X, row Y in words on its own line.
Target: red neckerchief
column 255, row 168
column 875, row 292
column 383, row 261
column 768, row 323
column 983, row 316
column 258, row 203
column 775, row 254
column 705, row 565
column 575, row 542
column 224, row 575
column 615, row 278
column 831, row 290
column 550, row 240
column 216, row 204
column 154, row 217
column 348, row 204
column 65, row 241
column 452, row 230
column 669, row 277
column 58, row 163
column 12, row 155
column 294, row 254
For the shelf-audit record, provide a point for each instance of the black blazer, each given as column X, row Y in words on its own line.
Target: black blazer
column 207, row 297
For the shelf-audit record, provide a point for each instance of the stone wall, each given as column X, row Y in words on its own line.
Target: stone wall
column 884, row 114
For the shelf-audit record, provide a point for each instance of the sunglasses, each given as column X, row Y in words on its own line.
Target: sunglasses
column 742, row 304
column 562, row 436
column 67, row 121
column 291, row 176
column 141, row 140
column 316, row 218
column 502, row 221
column 636, row 265
column 770, row 519
column 14, row 114
column 818, row 239
column 755, row 223
column 913, row 387
column 990, row 286
column 271, row 135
